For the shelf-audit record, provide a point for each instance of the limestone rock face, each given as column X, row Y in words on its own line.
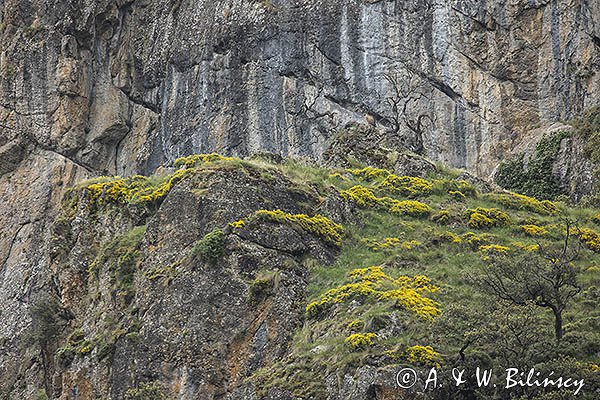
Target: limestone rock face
column 124, row 86
column 138, row 305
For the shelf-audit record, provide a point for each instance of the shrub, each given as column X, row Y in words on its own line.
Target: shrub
column 318, row 224
column 373, row 284
column 364, row 197
column 494, row 249
column 522, row 202
column 480, row 221
column 237, row 224
column 534, row 230
column 45, row 322
column 211, row 247
column 526, row 247
column 135, row 190
column 596, row 218
column 442, row 217
column 148, row 391
column 197, row 159
column 534, row 176
column 354, row 325
column 260, row 289
column 360, row 195
column 424, row 355
column 449, row 237
column 457, row 195
column 41, row 395
column 589, row 237
column 484, row 218
column 359, row 341
column 411, row 207
column 474, row 241
column 121, row 256
column 445, row 186
column 406, row 185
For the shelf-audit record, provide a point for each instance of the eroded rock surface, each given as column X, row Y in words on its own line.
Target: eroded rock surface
column 133, row 303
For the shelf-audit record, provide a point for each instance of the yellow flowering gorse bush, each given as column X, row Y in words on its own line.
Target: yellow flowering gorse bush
column 534, row 230
column 134, row 190
column 423, row 355
column 238, row 224
column 197, row 159
column 494, row 249
column 406, row 185
column 442, row 217
column 526, row 247
column 372, row 284
column 364, row 197
column 589, row 237
column 318, row 224
column 483, row 218
column 358, row 341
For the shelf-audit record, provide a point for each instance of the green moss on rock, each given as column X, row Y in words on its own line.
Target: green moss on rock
column 211, row 247
column 533, row 176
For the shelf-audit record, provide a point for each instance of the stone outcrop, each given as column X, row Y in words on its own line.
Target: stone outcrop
column 128, row 302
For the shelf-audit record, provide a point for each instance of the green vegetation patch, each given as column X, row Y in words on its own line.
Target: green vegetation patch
column 148, row 391
column 121, row 257
column 211, row 247
column 521, row 202
column 534, row 176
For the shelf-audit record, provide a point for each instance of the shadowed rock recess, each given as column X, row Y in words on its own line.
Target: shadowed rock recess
column 138, row 263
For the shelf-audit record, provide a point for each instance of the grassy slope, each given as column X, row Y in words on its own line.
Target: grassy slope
column 319, row 347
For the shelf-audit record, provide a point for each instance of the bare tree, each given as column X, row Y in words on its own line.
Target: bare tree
column 406, row 92
column 307, row 112
column 548, row 278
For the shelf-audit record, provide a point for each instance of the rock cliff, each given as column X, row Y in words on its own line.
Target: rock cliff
column 123, row 87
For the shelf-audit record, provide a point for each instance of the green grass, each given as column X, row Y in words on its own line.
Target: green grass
column 451, row 266
column 319, row 346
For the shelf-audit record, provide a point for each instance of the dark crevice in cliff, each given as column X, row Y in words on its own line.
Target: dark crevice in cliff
column 140, row 102
column 328, row 57
column 448, row 91
column 265, row 246
column 118, row 147
column 47, row 148
column 12, row 242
